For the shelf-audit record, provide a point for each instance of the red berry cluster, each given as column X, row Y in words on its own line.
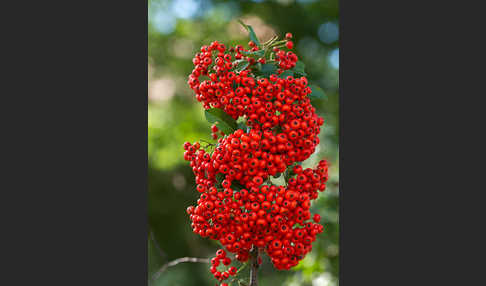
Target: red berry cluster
column 252, row 94
column 238, row 205
column 221, row 258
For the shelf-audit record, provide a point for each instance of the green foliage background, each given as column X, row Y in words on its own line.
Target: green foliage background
column 176, row 31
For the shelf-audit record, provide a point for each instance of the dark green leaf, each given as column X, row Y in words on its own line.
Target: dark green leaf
column 289, row 172
column 219, row 178
column 236, row 186
column 241, row 123
column 299, row 68
column 268, row 69
column 278, row 128
column 285, row 74
column 223, row 121
column 242, row 126
column 317, row 93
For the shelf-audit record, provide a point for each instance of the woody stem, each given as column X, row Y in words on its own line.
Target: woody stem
column 254, row 266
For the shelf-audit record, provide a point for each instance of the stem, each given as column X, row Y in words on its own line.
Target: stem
column 254, row 266
column 162, row 254
column 242, row 267
column 177, row 261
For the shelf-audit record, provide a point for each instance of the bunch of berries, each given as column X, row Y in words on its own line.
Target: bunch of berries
column 238, row 204
column 221, row 258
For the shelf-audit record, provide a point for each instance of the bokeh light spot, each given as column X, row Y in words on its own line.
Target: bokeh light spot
column 185, row 9
column 328, row 32
column 334, row 58
column 163, row 21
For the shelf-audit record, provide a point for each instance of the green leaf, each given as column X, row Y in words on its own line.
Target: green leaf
column 299, row 68
column 268, row 69
column 285, row 74
column 219, row 178
column 236, row 186
column 240, row 65
column 242, row 126
column 253, row 36
column 289, row 172
column 223, row 121
column 278, row 128
column 317, row 92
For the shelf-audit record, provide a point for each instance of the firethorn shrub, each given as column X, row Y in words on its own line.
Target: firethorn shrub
column 265, row 89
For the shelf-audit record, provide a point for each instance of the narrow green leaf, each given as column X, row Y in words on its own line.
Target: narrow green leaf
column 223, row 121
column 258, row 53
column 240, row 65
column 317, row 92
column 253, row 36
column 243, row 24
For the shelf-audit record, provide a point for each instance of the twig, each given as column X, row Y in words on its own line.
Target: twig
column 242, row 267
column 157, row 245
column 254, row 266
column 177, row 261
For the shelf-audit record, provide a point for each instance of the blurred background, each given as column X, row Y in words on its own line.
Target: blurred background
column 177, row 29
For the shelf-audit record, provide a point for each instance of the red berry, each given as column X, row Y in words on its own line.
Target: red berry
column 289, row 45
column 288, row 35
column 220, row 253
column 226, row 261
column 215, row 261
column 232, row 270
